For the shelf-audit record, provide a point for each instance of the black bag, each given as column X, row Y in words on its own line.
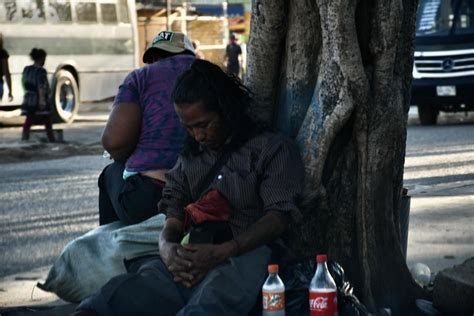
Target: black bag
column 210, row 233
column 297, row 278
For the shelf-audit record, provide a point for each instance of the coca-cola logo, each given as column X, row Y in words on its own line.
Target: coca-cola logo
column 318, row 303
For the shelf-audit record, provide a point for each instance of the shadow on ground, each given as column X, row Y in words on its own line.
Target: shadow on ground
column 45, row 151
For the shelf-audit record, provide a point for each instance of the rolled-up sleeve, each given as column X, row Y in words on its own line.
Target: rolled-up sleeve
column 176, row 194
column 282, row 178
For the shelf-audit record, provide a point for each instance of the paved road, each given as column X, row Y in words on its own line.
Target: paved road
column 439, row 171
column 440, row 154
column 46, row 203
column 43, row 206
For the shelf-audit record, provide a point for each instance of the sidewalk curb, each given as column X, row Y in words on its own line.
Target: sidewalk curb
column 20, row 290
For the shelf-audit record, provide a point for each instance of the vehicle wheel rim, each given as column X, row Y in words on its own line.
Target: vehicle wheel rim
column 66, row 97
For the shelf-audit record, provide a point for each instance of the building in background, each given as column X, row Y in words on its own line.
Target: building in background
column 208, row 21
column 93, row 44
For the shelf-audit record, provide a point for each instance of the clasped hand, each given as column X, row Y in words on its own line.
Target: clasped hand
column 190, row 263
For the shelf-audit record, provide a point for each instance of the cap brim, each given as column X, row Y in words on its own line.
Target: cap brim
column 148, row 55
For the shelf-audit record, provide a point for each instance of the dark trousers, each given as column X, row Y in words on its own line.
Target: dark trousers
column 233, row 69
column 131, row 201
column 229, row 289
column 44, row 119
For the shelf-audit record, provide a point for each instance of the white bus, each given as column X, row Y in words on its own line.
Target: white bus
column 91, row 45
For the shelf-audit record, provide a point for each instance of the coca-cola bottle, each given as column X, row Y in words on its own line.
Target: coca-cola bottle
column 322, row 291
column 273, row 293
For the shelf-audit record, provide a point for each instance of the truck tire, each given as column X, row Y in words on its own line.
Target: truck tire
column 65, row 97
column 427, row 114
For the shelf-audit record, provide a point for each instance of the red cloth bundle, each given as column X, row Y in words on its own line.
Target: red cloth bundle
column 212, row 207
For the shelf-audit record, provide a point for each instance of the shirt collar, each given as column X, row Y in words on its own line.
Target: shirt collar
column 203, row 148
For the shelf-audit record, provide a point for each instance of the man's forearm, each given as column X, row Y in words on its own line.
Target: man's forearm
column 172, row 232
column 264, row 231
column 9, row 83
column 121, row 154
column 122, row 131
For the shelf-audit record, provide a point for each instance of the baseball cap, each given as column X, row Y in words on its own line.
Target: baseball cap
column 173, row 42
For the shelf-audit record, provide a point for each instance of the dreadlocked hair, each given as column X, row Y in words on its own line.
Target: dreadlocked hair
column 205, row 82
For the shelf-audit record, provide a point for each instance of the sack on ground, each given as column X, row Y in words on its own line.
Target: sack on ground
column 89, row 261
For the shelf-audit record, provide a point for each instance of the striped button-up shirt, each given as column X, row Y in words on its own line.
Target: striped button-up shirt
column 265, row 174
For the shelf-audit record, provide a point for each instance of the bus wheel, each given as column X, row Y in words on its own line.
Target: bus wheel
column 65, row 98
column 427, row 114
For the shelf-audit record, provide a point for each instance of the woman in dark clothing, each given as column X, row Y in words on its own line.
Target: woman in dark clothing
column 35, row 103
column 4, row 71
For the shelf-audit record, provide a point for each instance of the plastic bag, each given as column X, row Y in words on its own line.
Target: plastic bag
column 89, row 261
column 348, row 303
column 297, row 278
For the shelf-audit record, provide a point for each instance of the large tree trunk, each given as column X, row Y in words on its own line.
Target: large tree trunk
column 335, row 75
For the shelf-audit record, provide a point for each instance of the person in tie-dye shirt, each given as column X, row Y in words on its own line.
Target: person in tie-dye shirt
column 143, row 134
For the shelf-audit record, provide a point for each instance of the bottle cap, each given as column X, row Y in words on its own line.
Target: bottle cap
column 321, row 258
column 273, row 268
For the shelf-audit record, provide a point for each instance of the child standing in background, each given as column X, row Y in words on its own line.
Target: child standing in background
column 36, row 100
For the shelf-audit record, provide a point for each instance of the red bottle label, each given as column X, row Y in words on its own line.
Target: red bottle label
column 323, row 303
column 273, row 301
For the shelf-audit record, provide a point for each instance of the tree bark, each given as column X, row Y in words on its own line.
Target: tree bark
column 336, row 75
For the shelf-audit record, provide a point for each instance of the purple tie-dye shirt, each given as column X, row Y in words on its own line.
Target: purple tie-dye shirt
column 161, row 135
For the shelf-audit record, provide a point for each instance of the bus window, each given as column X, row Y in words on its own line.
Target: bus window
column 86, row 12
column 59, row 11
column 109, row 13
column 124, row 18
column 9, row 11
column 32, row 11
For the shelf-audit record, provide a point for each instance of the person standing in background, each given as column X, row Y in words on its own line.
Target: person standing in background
column 232, row 56
column 5, row 71
column 35, row 104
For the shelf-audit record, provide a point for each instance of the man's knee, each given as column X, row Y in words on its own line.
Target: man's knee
column 232, row 288
column 111, row 176
column 132, row 293
column 106, row 173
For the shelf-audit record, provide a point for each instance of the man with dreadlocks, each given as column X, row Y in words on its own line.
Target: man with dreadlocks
column 255, row 177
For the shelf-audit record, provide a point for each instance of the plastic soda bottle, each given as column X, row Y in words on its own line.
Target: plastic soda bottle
column 273, row 293
column 322, row 291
